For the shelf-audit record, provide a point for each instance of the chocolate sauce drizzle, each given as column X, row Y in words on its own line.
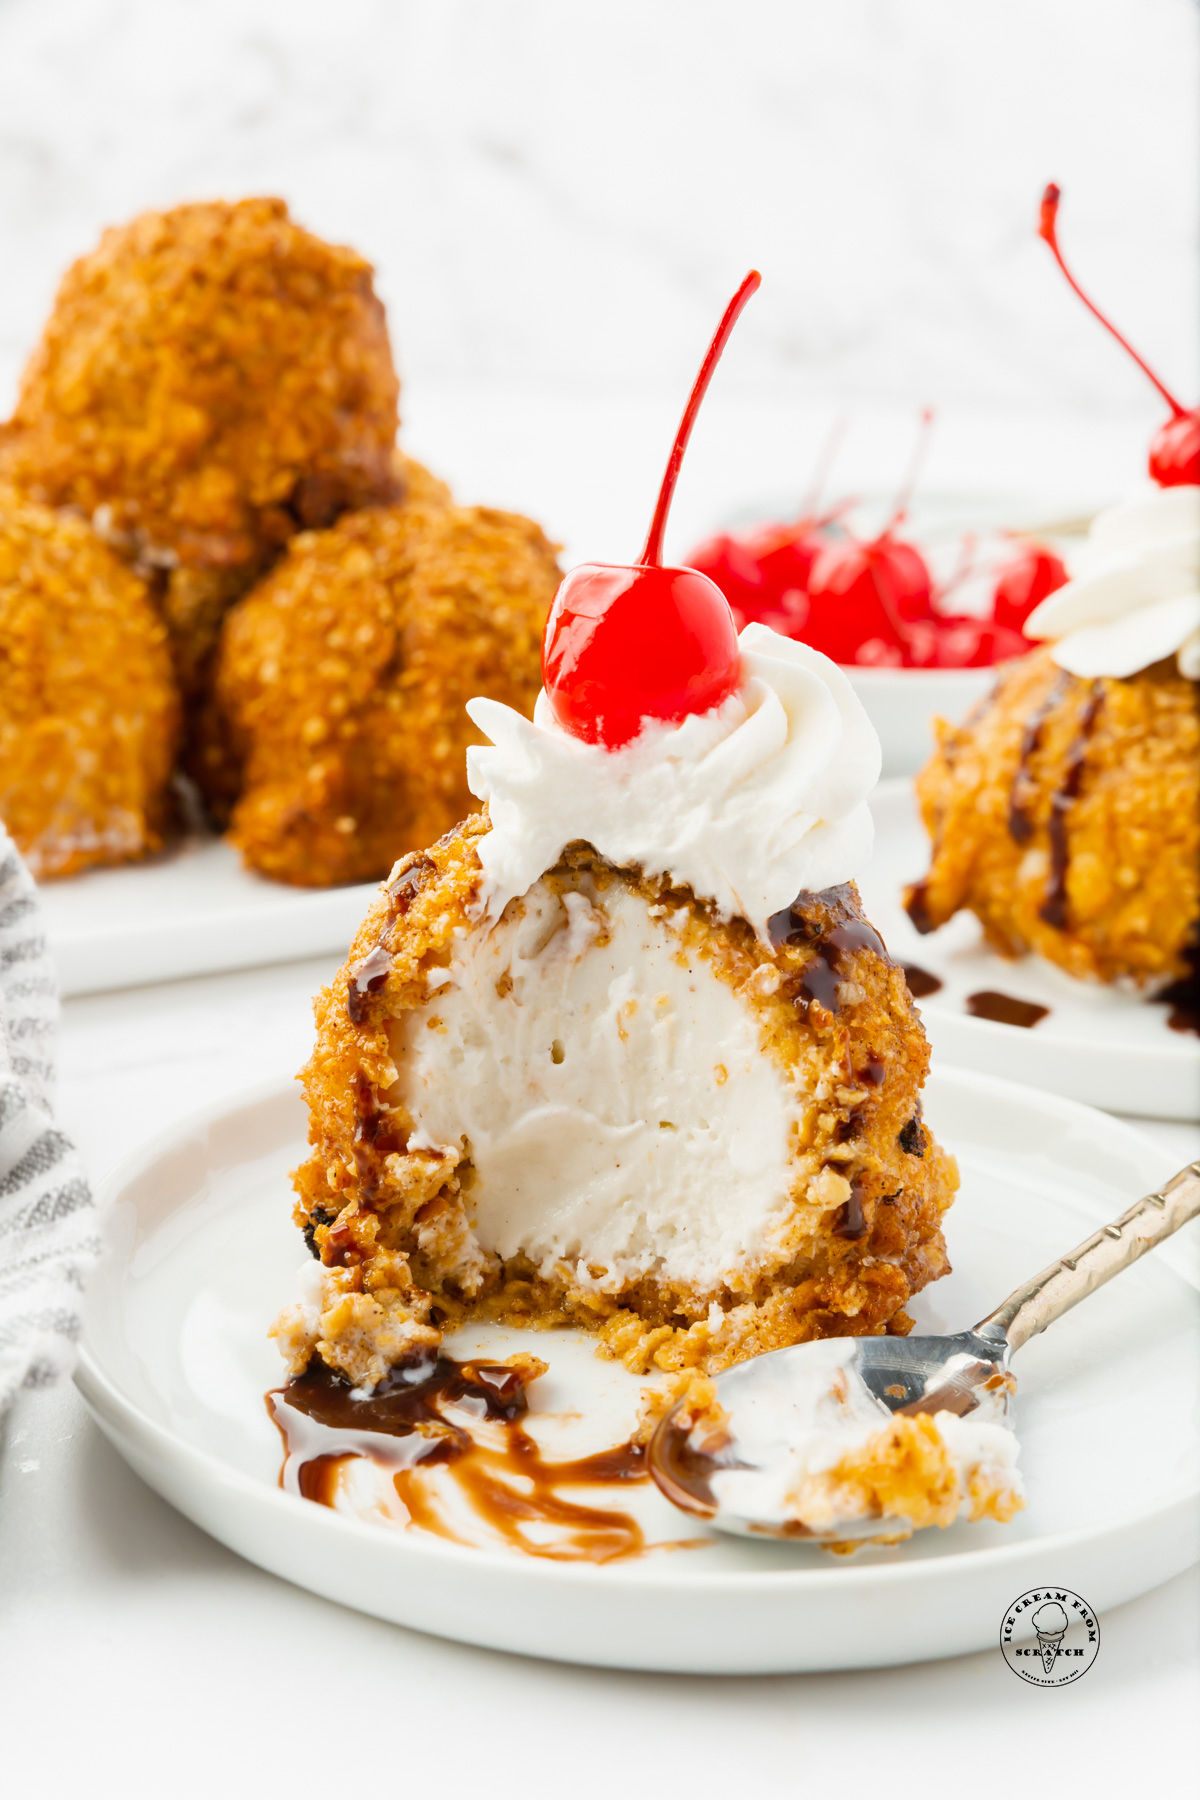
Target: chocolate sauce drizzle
column 367, row 977
column 1005, row 1009
column 920, row 981
column 851, row 1219
column 1183, row 996
column 1020, row 826
column 819, row 983
column 1053, row 909
column 822, row 975
column 403, row 1427
column 916, row 905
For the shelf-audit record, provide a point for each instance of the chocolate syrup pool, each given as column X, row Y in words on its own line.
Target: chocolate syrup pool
column 451, row 1437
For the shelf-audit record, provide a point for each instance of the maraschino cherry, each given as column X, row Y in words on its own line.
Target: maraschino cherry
column 1030, row 575
column 730, row 563
column 626, row 644
column 863, row 597
column 1175, row 449
column 764, row 574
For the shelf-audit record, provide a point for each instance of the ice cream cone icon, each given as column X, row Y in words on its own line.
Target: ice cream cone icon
column 1050, row 1623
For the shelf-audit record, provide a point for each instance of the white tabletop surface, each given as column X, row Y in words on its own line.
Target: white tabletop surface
column 135, row 1652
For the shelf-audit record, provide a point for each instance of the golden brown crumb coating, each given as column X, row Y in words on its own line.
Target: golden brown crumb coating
column 1066, row 815
column 89, row 713
column 869, row 1184
column 211, row 380
column 341, row 681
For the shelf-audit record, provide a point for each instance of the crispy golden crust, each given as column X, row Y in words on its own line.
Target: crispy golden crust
column 1098, row 781
column 88, row 710
column 390, row 1222
column 342, row 679
column 211, row 380
column 907, row 1473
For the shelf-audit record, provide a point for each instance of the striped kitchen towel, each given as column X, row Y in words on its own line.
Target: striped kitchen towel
column 48, row 1233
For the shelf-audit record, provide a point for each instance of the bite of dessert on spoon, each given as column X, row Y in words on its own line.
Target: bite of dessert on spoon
column 848, row 1440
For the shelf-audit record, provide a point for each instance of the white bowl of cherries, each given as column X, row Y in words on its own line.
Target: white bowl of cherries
column 918, row 640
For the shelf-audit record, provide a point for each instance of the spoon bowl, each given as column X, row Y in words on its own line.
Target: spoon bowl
column 835, row 1395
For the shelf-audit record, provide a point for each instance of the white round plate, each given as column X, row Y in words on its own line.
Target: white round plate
column 1097, row 1044
column 175, row 1364
column 193, row 910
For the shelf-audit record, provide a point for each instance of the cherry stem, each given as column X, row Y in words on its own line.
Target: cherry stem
column 916, row 463
column 652, row 554
column 964, row 568
column 824, row 467
column 1048, row 232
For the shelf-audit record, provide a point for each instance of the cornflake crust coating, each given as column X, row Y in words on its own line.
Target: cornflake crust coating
column 341, row 681
column 908, row 1472
column 89, row 715
column 211, row 380
column 1065, row 814
column 795, row 1193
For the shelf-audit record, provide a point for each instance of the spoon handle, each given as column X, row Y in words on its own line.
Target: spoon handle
column 1073, row 1277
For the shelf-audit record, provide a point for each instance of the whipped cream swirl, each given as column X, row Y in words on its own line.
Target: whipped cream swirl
column 748, row 804
column 1134, row 593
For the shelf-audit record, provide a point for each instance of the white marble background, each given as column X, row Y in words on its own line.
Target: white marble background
column 560, row 196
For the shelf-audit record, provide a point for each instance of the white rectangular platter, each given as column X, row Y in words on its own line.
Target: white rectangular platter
column 194, row 910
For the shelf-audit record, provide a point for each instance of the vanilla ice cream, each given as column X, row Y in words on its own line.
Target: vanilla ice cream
column 610, row 1092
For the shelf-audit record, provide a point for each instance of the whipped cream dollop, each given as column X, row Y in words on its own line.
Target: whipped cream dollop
column 1134, row 593
column 748, row 804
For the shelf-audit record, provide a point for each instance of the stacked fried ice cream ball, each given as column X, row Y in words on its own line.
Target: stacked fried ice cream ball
column 89, row 713
column 214, row 392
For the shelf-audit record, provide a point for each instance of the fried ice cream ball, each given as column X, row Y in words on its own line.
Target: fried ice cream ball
column 89, row 714
column 211, row 380
column 609, row 1110
column 342, row 678
column 1065, row 814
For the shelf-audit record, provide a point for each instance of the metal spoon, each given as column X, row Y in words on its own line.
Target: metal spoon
column 961, row 1374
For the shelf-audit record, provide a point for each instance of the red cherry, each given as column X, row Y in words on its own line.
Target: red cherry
column 861, row 591
column 1006, row 643
column 878, row 653
column 727, row 561
column 626, row 644
column 1027, row 579
column 871, row 593
column 1175, row 450
column 964, row 642
column 907, row 572
column 921, row 645
column 785, row 555
column 850, row 599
